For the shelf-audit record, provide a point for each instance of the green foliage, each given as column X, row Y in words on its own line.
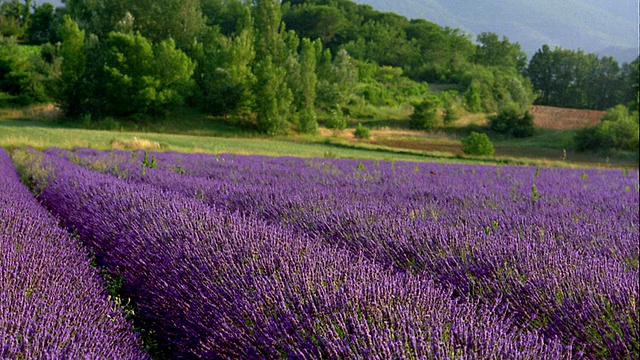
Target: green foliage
column 316, row 21
column 510, row 120
column 24, row 74
column 472, row 99
column 43, row 25
column 362, row 132
column 426, row 114
column 569, row 78
column 336, row 120
column 273, row 98
column 224, row 75
column 618, row 129
column 125, row 75
column 303, row 81
column 138, row 77
column 386, row 85
column 490, row 51
column 477, row 144
column 535, row 195
column 117, row 58
column 450, row 106
column 495, row 88
column 72, row 90
column 159, row 20
column 337, row 79
column 14, row 18
column 443, row 54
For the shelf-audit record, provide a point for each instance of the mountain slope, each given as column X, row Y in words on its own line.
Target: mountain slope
column 604, row 27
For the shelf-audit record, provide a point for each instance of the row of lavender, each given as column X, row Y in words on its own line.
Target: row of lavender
column 218, row 284
column 53, row 304
column 558, row 247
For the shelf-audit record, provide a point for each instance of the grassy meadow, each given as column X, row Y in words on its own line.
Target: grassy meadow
column 189, row 131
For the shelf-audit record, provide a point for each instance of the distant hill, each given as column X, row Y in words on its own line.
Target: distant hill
column 595, row 26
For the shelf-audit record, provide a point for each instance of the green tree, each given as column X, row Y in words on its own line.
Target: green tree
column 511, row 120
column 273, row 97
column 242, row 55
column 269, row 29
column 336, row 121
column 491, row 51
column 362, row 132
column 14, row 17
column 618, row 129
column 472, row 97
column 71, row 94
column 477, row 144
column 139, row 77
column 450, row 106
column 224, row 73
column 158, row 20
column 41, row 28
column 173, row 71
column 426, row 114
column 316, row 22
column 309, row 80
column 337, row 78
column 575, row 79
column 98, row 17
column 270, row 106
column 23, row 74
column 223, row 13
column 630, row 95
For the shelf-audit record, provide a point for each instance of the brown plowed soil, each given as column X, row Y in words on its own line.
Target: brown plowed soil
column 550, row 117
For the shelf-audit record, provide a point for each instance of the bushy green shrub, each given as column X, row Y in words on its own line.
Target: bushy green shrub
column 472, row 97
column 450, row 105
column 618, row 129
column 477, row 144
column 23, row 74
column 362, row 132
column 510, row 120
column 336, row 120
column 426, row 114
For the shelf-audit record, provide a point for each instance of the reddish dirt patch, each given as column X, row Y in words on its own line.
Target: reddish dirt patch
column 550, row 117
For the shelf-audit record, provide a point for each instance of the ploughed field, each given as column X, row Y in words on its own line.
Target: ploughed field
column 226, row 256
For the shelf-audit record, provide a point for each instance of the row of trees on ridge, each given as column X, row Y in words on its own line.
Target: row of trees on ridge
column 273, row 66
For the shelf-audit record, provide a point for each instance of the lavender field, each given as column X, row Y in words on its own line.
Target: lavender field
column 227, row 256
column 52, row 302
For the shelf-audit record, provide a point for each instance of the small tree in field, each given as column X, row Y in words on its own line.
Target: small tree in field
column 336, row 120
column 426, row 114
column 510, row 120
column 477, row 144
column 362, row 132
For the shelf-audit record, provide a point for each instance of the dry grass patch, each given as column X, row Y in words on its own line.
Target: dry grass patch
column 46, row 112
column 137, row 143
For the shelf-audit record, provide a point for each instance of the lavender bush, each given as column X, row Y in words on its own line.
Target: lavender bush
column 218, row 284
column 558, row 247
column 53, row 305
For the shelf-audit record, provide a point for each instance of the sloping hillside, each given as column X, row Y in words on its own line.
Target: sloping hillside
column 550, row 117
column 604, row 27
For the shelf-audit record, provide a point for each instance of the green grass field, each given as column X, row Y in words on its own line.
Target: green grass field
column 188, row 131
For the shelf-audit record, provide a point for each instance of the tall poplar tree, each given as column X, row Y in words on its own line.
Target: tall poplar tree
column 308, row 82
column 273, row 97
column 71, row 87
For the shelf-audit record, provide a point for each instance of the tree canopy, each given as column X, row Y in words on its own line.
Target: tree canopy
column 273, row 65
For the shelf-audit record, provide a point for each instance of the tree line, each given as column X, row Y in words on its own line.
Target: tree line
column 275, row 65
